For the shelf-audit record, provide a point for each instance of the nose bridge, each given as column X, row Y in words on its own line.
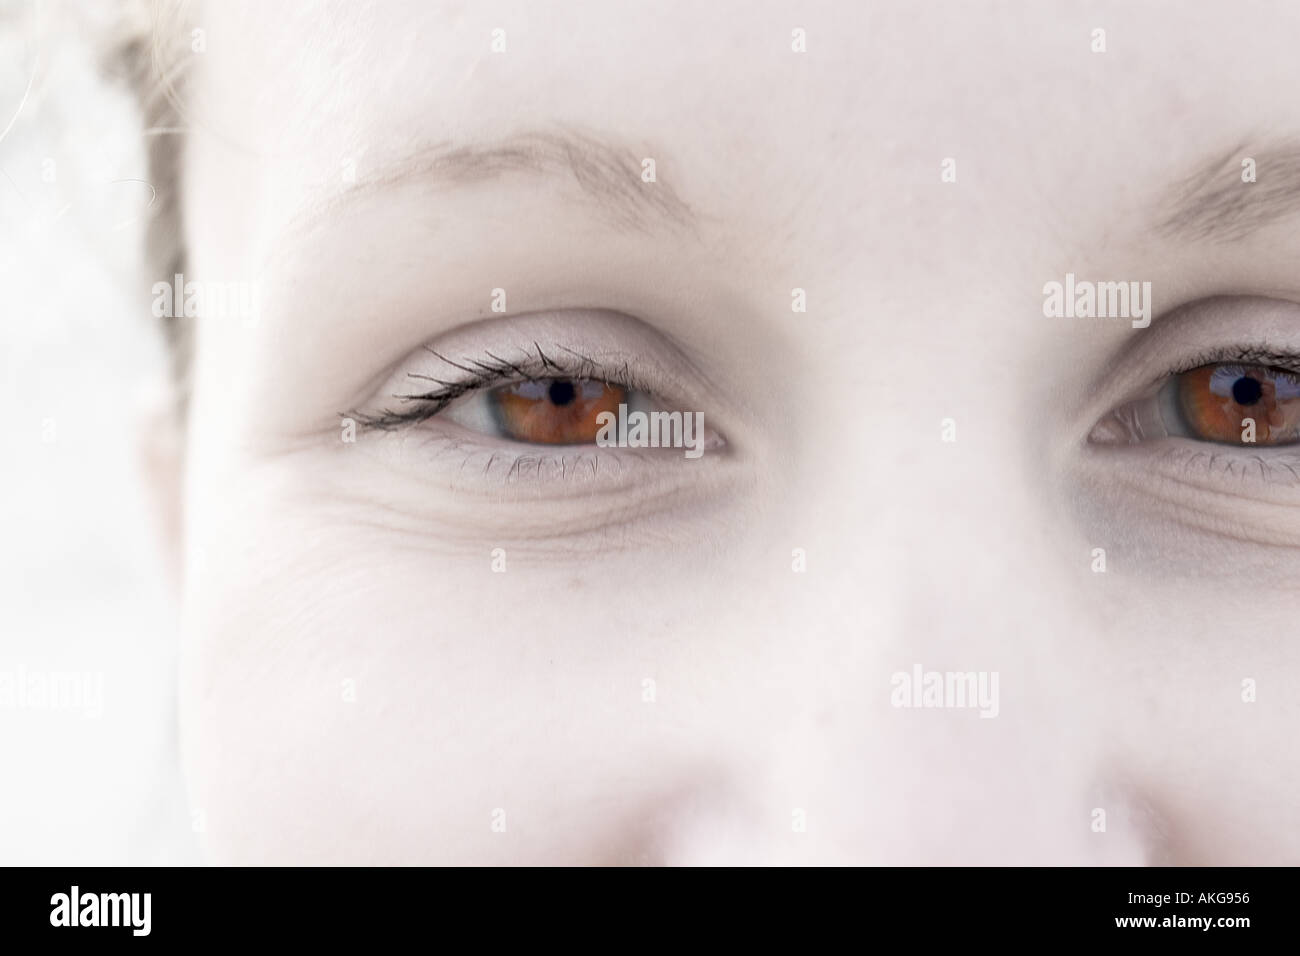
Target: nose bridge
column 960, row 552
column 954, row 568
column 934, row 520
column 943, row 630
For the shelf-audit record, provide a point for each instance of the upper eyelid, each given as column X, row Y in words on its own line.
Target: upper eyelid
column 499, row 371
column 1265, row 355
column 1221, row 327
column 1209, row 320
column 618, row 346
column 532, row 367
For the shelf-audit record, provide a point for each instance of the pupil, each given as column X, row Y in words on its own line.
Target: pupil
column 1246, row 391
column 561, row 393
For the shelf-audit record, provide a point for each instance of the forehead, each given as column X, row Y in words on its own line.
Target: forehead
column 296, row 101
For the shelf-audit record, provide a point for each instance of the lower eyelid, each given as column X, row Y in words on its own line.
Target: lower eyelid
column 1209, row 510
column 470, row 461
column 1246, row 464
column 1265, row 473
column 451, row 493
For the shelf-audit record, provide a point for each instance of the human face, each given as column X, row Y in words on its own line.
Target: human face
column 436, row 643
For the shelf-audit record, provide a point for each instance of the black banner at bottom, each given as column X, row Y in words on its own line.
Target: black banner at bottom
column 212, row 905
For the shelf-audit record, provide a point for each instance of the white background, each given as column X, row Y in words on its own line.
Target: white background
column 83, row 586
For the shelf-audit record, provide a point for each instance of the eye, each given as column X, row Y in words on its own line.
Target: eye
column 1248, row 402
column 1198, row 456
column 541, row 396
column 550, row 406
column 1239, row 404
column 546, row 411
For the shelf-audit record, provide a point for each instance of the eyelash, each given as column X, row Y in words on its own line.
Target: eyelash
column 493, row 371
column 1250, row 355
column 1234, row 462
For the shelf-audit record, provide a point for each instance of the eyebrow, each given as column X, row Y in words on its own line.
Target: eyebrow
column 1214, row 203
column 607, row 171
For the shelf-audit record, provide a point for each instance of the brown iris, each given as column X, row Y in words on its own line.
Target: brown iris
column 1219, row 402
column 556, row 411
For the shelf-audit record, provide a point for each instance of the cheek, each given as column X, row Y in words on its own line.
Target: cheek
column 351, row 696
column 286, row 736
column 1197, row 720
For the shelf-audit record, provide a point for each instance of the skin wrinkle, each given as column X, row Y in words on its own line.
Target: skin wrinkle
column 580, row 532
column 1176, row 509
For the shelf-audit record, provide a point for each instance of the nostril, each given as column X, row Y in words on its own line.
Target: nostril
column 1127, row 829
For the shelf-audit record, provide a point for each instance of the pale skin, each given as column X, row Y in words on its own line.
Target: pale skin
column 360, row 686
